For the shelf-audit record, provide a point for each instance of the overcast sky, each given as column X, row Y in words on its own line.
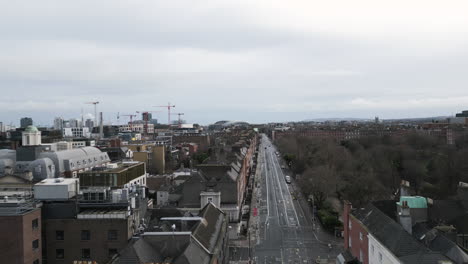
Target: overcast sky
column 247, row 60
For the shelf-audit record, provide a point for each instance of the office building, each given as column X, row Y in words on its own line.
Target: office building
column 58, row 123
column 26, row 121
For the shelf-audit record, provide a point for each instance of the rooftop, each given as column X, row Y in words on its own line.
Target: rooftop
column 414, row 201
column 115, row 167
column 392, row 235
column 31, row 129
column 57, row 181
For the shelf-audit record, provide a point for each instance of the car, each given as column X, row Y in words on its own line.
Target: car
column 283, row 167
column 287, row 179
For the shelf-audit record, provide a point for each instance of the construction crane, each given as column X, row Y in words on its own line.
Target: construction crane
column 145, row 119
column 95, row 111
column 168, row 106
column 131, row 121
column 180, row 120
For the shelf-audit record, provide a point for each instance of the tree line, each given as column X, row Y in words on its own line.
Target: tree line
column 371, row 168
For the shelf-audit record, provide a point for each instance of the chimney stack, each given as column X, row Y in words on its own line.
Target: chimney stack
column 405, row 188
column 405, row 217
column 346, row 230
column 101, row 127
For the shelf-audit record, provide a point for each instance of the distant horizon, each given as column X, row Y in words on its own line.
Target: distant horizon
column 164, row 121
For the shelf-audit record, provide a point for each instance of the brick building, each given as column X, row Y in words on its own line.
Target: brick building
column 20, row 229
column 356, row 236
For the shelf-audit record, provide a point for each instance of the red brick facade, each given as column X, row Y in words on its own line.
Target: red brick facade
column 18, row 235
column 355, row 235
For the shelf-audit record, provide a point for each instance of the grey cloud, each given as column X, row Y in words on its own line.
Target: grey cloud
column 218, row 60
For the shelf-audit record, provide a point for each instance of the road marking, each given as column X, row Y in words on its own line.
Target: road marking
column 281, row 193
column 290, row 197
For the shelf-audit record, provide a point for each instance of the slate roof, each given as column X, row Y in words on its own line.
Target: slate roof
column 214, row 178
column 207, row 232
column 438, row 242
column 195, row 247
column 138, row 251
column 395, row 238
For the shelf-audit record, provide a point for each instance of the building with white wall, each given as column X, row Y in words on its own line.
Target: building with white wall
column 32, row 159
column 371, row 237
column 76, row 132
column 137, row 128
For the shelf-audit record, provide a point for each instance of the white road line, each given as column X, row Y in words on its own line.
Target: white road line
column 266, row 178
column 281, row 192
column 290, row 197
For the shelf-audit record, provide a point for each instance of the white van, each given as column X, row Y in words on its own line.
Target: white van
column 288, row 179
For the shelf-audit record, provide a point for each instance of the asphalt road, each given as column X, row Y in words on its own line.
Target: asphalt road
column 287, row 231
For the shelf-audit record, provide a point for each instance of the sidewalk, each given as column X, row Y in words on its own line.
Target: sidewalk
column 243, row 243
column 320, row 234
column 253, row 225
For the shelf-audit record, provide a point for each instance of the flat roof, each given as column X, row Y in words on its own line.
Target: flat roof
column 120, row 167
column 57, row 181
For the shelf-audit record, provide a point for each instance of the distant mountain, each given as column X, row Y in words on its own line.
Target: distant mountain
column 337, row 119
column 408, row 119
column 413, row 119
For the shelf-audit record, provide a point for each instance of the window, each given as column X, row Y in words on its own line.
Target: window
column 35, row 224
column 210, row 199
column 349, row 224
column 60, row 253
column 350, row 242
column 360, row 235
column 59, row 235
column 85, row 235
column 380, row 257
column 35, row 244
column 112, row 252
column 36, row 261
column 85, row 253
column 372, row 250
column 112, row 234
column 361, row 258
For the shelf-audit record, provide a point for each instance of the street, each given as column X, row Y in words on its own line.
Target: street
column 287, row 233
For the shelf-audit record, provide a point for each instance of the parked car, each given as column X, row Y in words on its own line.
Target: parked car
column 287, row 179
